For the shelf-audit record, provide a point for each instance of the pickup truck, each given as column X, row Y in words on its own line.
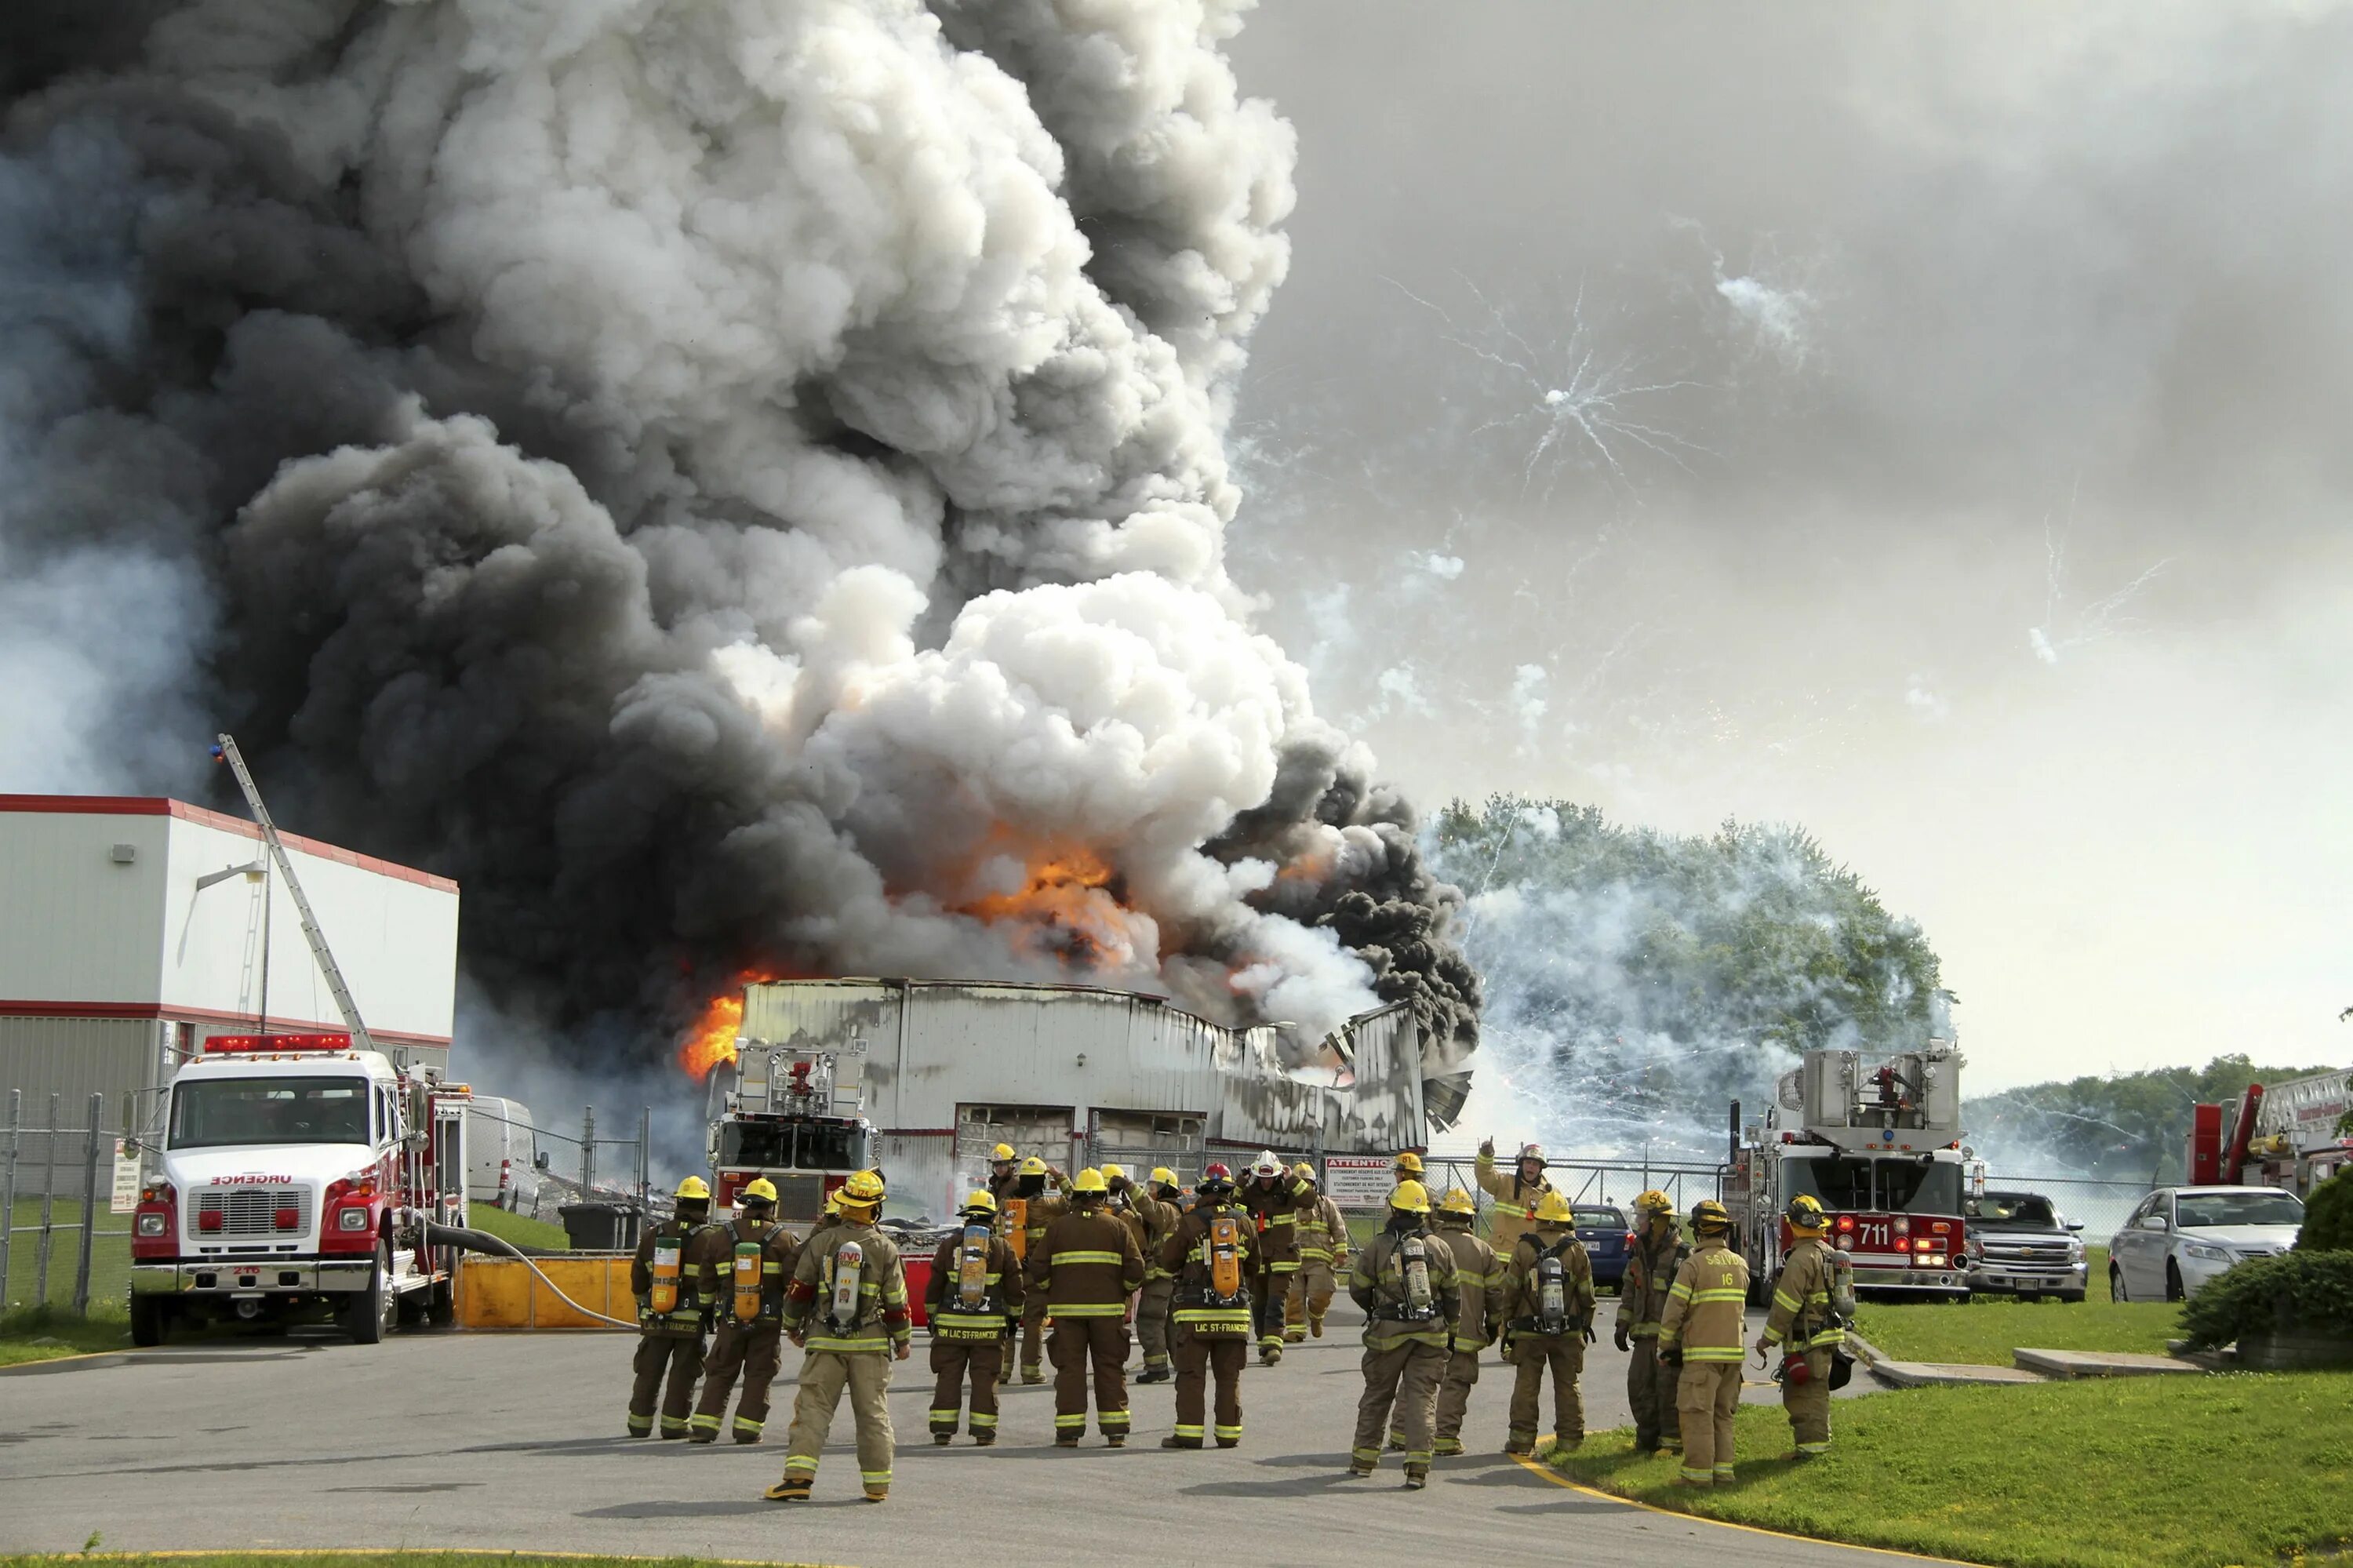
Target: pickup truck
column 2019, row 1245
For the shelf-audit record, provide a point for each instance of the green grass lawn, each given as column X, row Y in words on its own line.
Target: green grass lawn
column 110, row 1257
column 2110, row 1473
column 518, row 1229
column 31, row 1335
column 1985, row 1331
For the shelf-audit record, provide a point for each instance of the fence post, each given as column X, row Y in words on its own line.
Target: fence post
column 88, row 1206
column 49, row 1205
column 645, row 1160
column 8, row 1190
column 587, row 1153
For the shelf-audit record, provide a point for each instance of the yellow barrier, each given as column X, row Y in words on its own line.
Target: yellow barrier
column 504, row 1293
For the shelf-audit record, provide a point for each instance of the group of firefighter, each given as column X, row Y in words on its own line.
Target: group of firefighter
column 1059, row 1267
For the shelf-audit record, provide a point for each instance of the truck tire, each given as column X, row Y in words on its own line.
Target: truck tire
column 370, row 1311
column 151, row 1320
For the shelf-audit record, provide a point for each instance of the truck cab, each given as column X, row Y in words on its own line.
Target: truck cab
column 294, row 1172
column 794, row 1114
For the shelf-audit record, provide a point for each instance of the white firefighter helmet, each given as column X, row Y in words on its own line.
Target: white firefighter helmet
column 1266, row 1164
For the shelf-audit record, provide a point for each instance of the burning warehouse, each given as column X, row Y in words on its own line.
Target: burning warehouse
column 943, row 1070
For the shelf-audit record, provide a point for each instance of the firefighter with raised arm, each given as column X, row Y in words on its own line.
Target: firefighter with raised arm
column 1659, row 1251
column 1321, row 1231
column 663, row 1275
column 1809, row 1321
column 1084, row 1270
column 1479, row 1284
column 1157, row 1208
column 973, row 1301
column 744, row 1275
column 1212, row 1257
column 1548, row 1324
column 1700, row 1337
column 1516, row 1195
column 1272, row 1197
column 847, row 1306
column 1405, row 1280
column 1028, row 1213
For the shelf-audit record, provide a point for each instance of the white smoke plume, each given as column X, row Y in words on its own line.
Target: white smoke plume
column 743, row 486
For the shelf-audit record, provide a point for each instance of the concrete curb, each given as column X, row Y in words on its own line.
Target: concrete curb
column 1930, row 1374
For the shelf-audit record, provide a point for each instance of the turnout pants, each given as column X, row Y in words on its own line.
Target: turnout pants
column 954, row 1360
column 681, row 1356
column 1266, row 1306
column 1076, row 1344
column 1650, row 1389
column 1311, row 1296
column 1454, row 1399
column 1564, row 1356
column 1198, row 1356
column 866, row 1374
column 1403, row 1376
column 1033, row 1337
column 1152, row 1324
column 755, row 1350
column 1705, row 1397
column 1808, row 1403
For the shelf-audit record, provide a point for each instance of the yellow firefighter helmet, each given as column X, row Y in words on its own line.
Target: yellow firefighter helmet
column 1411, row 1197
column 1553, row 1210
column 1457, row 1202
column 1033, row 1166
column 1113, row 1172
column 1304, row 1170
column 863, row 1188
column 1163, row 1177
column 1090, row 1180
column 1805, row 1215
column 1709, row 1217
column 694, row 1187
column 1004, row 1152
column 759, row 1189
column 982, row 1202
column 1654, row 1202
column 1409, row 1163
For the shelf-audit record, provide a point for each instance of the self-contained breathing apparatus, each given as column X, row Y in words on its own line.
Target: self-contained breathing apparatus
column 972, row 1268
column 849, row 1266
column 1225, row 1251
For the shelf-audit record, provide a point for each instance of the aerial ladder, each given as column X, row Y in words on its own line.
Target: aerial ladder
column 225, row 750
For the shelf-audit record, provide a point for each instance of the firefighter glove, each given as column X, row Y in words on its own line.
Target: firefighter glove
column 1622, row 1339
column 1671, row 1355
column 799, row 1337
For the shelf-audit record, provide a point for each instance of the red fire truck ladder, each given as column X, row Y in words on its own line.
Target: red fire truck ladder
column 225, row 750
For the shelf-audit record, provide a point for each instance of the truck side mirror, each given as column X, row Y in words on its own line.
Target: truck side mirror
column 539, row 1162
column 413, row 1141
column 2075, row 1225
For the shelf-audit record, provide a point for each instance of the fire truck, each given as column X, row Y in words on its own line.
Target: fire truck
column 2281, row 1135
column 792, row 1112
column 295, row 1173
column 1877, row 1143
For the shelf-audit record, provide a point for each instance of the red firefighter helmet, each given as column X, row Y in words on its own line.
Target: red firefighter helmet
column 1216, row 1179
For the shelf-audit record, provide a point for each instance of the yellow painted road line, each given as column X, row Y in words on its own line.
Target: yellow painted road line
column 1557, row 1478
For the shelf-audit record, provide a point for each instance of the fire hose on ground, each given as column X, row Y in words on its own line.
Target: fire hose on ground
column 499, row 1246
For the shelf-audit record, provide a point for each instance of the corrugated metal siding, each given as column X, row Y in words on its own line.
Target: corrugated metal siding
column 72, row 1058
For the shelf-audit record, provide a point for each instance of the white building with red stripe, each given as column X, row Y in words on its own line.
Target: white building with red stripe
column 131, row 927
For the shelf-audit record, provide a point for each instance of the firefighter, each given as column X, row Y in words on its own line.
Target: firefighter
column 744, row 1276
column 1032, row 1209
column 1479, row 1286
column 1405, row 1280
column 847, row 1306
column 1548, row 1321
column 1516, row 1195
column 1406, row 1167
column 1004, row 1170
column 1212, row 1260
column 1322, row 1234
column 1659, row 1251
column 1156, row 1208
column 972, row 1302
column 1084, row 1270
column 1806, row 1323
column 1271, row 1198
column 662, row 1277
column 1699, row 1336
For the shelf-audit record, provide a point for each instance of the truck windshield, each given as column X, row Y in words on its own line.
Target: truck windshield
column 1842, row 1186
column 2020, row 1211
column 2199, row 1211
column 1908, row 1186
column 788, row 1146
column 223, row 1113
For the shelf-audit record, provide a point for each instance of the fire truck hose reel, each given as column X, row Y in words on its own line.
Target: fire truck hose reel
column 498, row 1246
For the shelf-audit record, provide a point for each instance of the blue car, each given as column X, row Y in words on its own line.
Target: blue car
column 1609, row 1238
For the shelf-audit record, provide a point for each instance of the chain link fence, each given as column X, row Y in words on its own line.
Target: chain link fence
column 67, row 1240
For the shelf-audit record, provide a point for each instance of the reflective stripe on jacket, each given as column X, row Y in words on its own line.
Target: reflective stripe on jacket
column 1377, row 1284
column 880, row 1319
column 1515, row 1201
column 942, row 1302
column 1576, row 1279
column 1705, row 1304
column 1322, row 1229
column 1276, row 1215
column 1801, row 1300
column 1650, row 1274
column 1186, row 1255
column 1086, row 1266
column 1479, row 1282
column 715, row 1266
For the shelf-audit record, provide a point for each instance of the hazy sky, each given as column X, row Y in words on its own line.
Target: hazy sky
column 1933, row 425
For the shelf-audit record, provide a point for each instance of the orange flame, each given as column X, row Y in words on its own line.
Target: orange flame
column 712, row 1042
column 1070, row 908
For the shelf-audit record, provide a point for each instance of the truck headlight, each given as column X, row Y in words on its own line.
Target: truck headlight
column 151, row 1224
column 352, row 1220
column 2205, row 1253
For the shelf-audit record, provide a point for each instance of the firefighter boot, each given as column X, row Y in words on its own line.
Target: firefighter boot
column 1033, row 1374
column 1416, row 1476
column 1447, row 1446
column 792, row 1488
column 941, row 1439
column 1172, row 1441
column 878, row 1494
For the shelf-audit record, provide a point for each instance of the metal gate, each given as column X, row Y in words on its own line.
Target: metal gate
column 1041, row 1130
column 1143, row 1141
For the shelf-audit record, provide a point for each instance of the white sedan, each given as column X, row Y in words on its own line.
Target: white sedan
column 2180, row 1237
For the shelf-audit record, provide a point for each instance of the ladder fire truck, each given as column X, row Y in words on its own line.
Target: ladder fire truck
column 297, row 1171
column 795, row 1113
column 1877, row 1143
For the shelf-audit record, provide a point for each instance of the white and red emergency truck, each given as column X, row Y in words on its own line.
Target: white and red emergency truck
column 1877, row 1144
column 794, row 1113
column 295, row 1173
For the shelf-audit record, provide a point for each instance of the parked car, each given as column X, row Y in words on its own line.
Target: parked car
column 1609, row 1238
column 2019, row 1245
column 2180, row 1237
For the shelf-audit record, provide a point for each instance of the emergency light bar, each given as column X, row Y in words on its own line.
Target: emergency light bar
column 239, row 1044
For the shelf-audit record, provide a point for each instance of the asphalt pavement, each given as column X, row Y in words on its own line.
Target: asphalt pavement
column 514, row 1442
